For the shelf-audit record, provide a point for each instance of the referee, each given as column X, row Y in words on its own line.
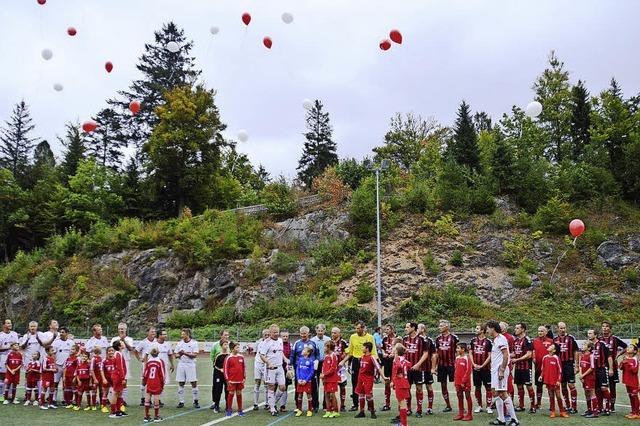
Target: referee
column 354, row 352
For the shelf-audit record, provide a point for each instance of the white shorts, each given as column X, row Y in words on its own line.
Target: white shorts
column 57, row 378
column 258, row 371
column 3, row 363
column 128, row 376
column 275, row 376
column 496, row 383
column 186, row 373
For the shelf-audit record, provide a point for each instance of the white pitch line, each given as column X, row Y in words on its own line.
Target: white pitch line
column 222, row 419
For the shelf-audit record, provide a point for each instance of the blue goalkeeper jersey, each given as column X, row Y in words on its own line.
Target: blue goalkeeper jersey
column 305, row 369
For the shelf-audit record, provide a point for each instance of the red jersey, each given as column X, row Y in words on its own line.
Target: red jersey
column 83, row 370
column 586, row 363
column 108, row 367
column 330, row 369
column 568, row 347
column 14, row 360
column 629, row 367
column 540, row 349
column 120, row 367
column 33, row 371
column 49, row 368
column 234, row 369
column 387, row 346
column 521, row 346
column 614, row 345
column 70, row 365
column 95, row 365
column 446, row 348
column 601, row 354
column 480, row 351
column 551, row 370
column 341, row 347
column 416, row 347
column 368, row 366
column 154, row 374
column 400, row 373
column 464, row 367
column 286, row 351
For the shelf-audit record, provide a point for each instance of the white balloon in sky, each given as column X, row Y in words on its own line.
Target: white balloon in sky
column 307, row 104
column 214, row 30
column 46, row 54
column 287, row 18
column 243, row 136
column 58, row 87
column 533, row 109
column 173, row 47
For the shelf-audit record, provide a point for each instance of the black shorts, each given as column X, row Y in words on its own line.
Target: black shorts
column 568, row 372
column 387, row 366
column 536, row 376
column 615, row 378
column 444, row 372
column 420, row 378
column 481, row 377
column 602, row 377
column 522, row 377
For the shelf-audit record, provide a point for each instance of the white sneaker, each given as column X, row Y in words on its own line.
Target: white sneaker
column 489, row 411
column 35, row 403
column 27, row 403
column 478, row 410
column 6, row 402
column 44, row 407
column 15, row 401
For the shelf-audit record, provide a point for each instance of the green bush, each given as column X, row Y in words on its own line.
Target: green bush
column 444, row 226
column 501, row 220
column 456, row 258
column 283, row 263
column 346, row 271
column 364, row 292
column 279, row 200
column 482, row 201
column 333, row 251
column 521, row 279
column 60, row 247
column 430, row 263
column 529, row 266
column 419, row 197
column 365, row 256
column 20, row 271
column 257, row 270
column 362, row 210
column 553, row 217
column 516, row 251
column 583, row 182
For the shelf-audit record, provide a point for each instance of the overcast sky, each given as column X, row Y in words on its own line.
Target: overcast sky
column 486, row 52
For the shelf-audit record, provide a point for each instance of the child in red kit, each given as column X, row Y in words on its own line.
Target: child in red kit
column 588, row 379
column 552, row 377
column 12, row 376
column 83, row 381
column 95, row 369
column 235, row 375
column 33, row 377
column 400, row 381
column 330, row 379
column 366, row 377
column 68, row 376
column 462, row 382
column 153, row 380
column 118, row 381
column 629, row 367
column 108, row 366
column 47, row 382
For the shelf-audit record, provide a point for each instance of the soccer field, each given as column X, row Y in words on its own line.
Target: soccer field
column 26, row 416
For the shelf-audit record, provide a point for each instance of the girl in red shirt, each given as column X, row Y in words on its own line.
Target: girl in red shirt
column 234, row 374
column 629, row 367
column 68, row 375
column 83, row 381
column 552, row 377
column 12, row 377
column 47, row 381
column 33, row 377
column 588, row 378
column 330, row 379
column 118, row 381
column 462, row 382
column 400, row 380
column 108, row 366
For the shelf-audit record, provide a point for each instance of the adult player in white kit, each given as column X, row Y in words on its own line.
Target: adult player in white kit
column 500, row 374
column 127, row 348
column 142, row 350
column 62, row 345
column 165, row 354
column 272, row 355
column 97, row 340
column 258, row 369
column 187, row 352
column 7, row 338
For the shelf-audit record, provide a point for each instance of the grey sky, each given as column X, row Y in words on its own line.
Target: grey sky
column 487, row 52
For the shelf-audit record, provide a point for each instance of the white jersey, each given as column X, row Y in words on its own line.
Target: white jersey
column 123, row 348
column 273, row 351
column 259, row 349
column 63, row 349
column 164, row 352
column 190, row 346
column 145, row 345
column 45, row 337
column 6, row 340
column 499, row 343
column 32, row 345
column 94, row 341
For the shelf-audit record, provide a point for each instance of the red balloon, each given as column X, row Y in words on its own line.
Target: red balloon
column 89, row 126
column 385, row 44
column 246, row 18
column 134, row 106
column 267, row 42
column 576, row 227
column 71, row 31
column 395, row 36
column 108, row 66
column 42, row 2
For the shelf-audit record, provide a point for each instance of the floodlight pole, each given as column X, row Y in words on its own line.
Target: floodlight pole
column 378, row 280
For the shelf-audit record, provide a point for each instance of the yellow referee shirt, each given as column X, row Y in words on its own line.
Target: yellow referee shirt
column 356, row 349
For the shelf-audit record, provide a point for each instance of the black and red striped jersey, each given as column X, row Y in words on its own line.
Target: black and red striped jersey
column 415, row 348
column 614, row 344
column 600, row 354
column 446, row 347
column 568, row 347
column 387, row 347
column 522, row 345
column 480, row 351
column 341, row 347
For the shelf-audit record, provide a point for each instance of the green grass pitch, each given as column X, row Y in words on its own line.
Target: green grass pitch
column 19, row 415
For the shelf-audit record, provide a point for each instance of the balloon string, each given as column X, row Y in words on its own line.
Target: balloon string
column 560, row 259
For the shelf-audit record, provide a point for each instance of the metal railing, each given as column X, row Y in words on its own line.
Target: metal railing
column 307, row 201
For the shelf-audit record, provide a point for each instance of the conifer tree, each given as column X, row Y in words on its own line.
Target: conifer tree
column 319, row 150
column 463, row 147
column 16, row 142
column 580, row 120
column 75, row 152
column 106, row 142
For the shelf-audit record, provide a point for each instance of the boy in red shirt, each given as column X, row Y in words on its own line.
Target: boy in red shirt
column 83, row 381
column 551, row 376
column 108, row 366
column 68, row 375
column 153, row 380
column 33, row 377
column 47, row 380
column 12, row 376
column 400, row 381
column 366, row 377
column 95, row 369
column 118, row 381
column 629, row 367
column 462, row 382
column 330, row 379
column 588, row 378
column 235, row 375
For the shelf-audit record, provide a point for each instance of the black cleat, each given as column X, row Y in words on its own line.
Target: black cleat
column 195, row 404
column 514, row 422
column 497, row 422
column 532, row 410
column 180, row 405
column 373, row 415
column 353, row 408
column 142, row 402
column 418, row 415
column 518, row 409
column 385, row 408
column 360, row 415
column 446, row 409
column 255, row 407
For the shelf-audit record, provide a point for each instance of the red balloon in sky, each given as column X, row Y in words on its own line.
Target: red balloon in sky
column 385, row 44
column 71, row 31
column 576, row 227
column 42, row 2
column 246, row 18
column 267, row 42
column 89, row 126
column 134, row 106
column 108, row 66
column 395, row 36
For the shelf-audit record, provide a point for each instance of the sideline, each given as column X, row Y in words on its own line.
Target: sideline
column 220, row 420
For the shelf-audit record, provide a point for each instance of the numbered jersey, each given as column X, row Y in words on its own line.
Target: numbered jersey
column 154, row 374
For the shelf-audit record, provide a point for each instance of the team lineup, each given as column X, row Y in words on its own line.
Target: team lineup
column 319, row 367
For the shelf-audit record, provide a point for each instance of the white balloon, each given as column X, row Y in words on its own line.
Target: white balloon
column 46, row 54
column 173, row 47
column 533, row 109
column 58, row 87
column 287, row 18
column 307, row 104
column 243, row 136
column 214, row 30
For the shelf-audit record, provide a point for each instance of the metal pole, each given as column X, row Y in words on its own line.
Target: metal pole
column 379, row 286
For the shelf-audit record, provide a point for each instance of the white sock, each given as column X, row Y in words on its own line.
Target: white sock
column 500, row 408
column 55, row 394
column 124, row 394
column 181, row 394
column 510, row 408
column 142, row 390
column 195, row 393
column 1, row 387
column 278, row 398
column 283, row 398
column 256, row 394
column 271, row 398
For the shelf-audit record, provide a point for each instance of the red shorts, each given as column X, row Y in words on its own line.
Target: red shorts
column 84, row 385
column 589, row 382
column 365, row 386
column 306, row 388
column 330, row 387
column 402, row 394
column 32, row 383
column 632, row 390
column 463, row 387
column 233, row 387
column 47, row 380
column 12, row 379
column 68, row 382
column 154, row 390
column 118, row 384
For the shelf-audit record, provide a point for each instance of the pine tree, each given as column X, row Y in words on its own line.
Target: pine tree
column 580, row 120
column 162, row 71
column 482, row 122
column 131, row 191
column 44, row 163
column 319, row 150
column 464, row 144
column 16, row 143
column 75, row 150
column 106, row 142
column 502, row 165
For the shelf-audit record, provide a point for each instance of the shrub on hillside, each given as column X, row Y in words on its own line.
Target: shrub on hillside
column 583, row 182
column 553, row 216
column 333, row 251
column 283, row 263
column 363, row 208
column 456, row 258
column 419, row 197
column 521, row 279
column 279, row 200
column 516, row 251
column 444, row 226
column 431, row 265
column 364, row 292
column 331, row 188
column 482, row 201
